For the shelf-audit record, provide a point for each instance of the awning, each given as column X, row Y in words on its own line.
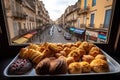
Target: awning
column 72, row 28
column 28, row 36
column 79, row 31
column 20, row 40
column 34, row 32
column 102, row 37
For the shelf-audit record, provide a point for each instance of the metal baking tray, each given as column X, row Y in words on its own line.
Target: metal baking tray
column 113, row 65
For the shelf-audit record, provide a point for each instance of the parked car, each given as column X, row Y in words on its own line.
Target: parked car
column 67, row 36
column 59, row 30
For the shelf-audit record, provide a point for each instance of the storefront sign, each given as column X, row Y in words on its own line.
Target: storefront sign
column 91, row 35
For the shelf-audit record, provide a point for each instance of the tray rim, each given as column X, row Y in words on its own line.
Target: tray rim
column 109, row 58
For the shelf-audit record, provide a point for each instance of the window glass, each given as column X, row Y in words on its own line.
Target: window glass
column 107, row 18
column 37, row 21
column 92, row 20
column 93, row 2
column 85, row 4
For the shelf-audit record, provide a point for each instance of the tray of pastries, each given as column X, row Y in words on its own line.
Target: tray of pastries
column 58, row 59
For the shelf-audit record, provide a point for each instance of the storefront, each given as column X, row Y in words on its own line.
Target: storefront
column 102, row 37
column 91, row 36
column 79, row 33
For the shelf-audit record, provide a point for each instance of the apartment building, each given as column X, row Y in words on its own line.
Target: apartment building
column 71, row 15
column 24, row 16
column 91, row 15
column 97, row 19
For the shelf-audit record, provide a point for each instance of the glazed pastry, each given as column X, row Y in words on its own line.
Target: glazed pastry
column 101, row 56
column 58, row 55
column 43, row 66
column 70, row 60
column 63, row 53
column 99, row 65
column 85, row 67
column 23, row 53
column 74, row 68
column 81, row 51
column 84, row 45
column 67, row 50
column 75, row 54
column 95, row 51
column 89, row 47
column 87, row 58
column 54, row 47
column 34, row 46
column 78, row 43
column 20, row 66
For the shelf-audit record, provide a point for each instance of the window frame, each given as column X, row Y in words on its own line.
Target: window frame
column 14, row 49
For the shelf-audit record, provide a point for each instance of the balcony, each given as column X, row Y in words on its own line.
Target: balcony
column 91, row 25
column 84, row 11
column 19, row 15
column 83, row 26
column 31, row 19
column 73, row 20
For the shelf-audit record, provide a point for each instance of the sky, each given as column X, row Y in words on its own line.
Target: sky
column 57, row 7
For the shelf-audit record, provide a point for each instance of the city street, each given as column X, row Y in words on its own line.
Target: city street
column 52, row 35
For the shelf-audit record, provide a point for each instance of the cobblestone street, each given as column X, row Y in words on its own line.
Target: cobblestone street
column 52, row 35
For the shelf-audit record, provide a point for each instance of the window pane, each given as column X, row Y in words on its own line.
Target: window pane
column 107, row 18
column 93, row 2
column 92, row 20
column 37, row 21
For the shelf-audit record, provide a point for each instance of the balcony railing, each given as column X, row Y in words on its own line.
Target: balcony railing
column 17, row 14
column 84, row 11
column 91, row 25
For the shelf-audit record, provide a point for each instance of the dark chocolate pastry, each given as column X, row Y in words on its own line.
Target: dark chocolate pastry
column 58, row 66
column 43, row 66
column 20, row 66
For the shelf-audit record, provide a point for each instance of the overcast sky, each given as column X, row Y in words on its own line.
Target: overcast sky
column 57, row 7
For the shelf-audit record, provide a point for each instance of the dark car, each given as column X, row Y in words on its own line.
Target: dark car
column 67, row 36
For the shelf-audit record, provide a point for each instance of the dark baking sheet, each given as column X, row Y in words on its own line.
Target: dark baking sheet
column 113, row 65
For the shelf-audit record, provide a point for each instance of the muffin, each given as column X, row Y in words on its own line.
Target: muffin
column 20, row 66
column 74, row 68
column 85, row 67
column 99, row 65
column 87, row 58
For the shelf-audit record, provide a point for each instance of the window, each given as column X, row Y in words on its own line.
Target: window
column 93, row 2
column 85, row 4
column 92, row 20
column 107, row 18
column 15, row 28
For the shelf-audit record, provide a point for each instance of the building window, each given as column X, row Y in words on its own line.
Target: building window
column 16, row 28
column 93, row 2
column 92, row 20
column 85, row 4
column 107, row 18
